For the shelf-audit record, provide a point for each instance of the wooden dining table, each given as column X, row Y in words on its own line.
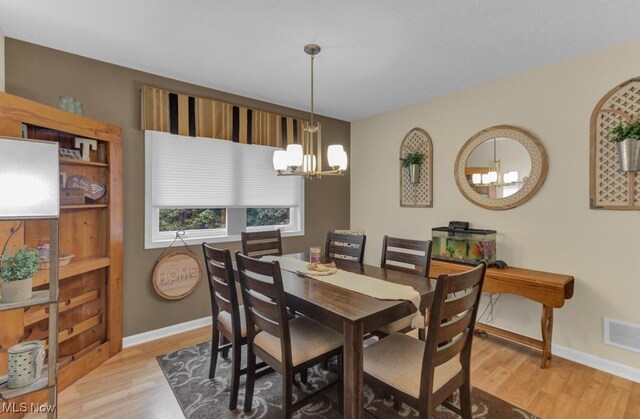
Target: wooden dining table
column 353, row 314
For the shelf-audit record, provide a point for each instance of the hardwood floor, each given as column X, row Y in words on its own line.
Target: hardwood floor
column 131, row 385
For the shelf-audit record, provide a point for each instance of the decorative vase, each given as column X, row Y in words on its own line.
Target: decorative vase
column 414, row 173
column 629, row 155
column 67, row 103
column 14, row 291
column 26, row 360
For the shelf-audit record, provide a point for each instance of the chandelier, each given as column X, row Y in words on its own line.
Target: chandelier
column 305, row 158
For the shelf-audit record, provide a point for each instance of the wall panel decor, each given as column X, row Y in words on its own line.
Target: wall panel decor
column 419, row 194
column 609, row 188
column 201, row 117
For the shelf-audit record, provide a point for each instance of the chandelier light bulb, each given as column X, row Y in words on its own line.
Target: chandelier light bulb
column 294, row 155
column 334, row 154
column 309, row 163
column 343, row 162
column 280, row 160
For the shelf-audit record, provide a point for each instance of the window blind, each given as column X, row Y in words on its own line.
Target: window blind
column 196, row 172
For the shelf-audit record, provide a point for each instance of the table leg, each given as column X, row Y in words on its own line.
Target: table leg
column 353, row 375
column 547, row 332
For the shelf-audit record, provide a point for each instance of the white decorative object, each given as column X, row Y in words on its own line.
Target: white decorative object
column 25, row 363
column 86, row 144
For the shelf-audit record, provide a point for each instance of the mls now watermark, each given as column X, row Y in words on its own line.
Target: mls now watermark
column 25, row 407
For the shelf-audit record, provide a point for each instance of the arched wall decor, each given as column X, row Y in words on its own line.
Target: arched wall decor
column 420, row 194
column 609, row 188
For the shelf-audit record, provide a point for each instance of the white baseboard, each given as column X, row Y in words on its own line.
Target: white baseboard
column 602, row 364
column 165, row 331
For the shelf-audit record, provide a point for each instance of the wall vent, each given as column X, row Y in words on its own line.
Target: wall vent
column 622, row 334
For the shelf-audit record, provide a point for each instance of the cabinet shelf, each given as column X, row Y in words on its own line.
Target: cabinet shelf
column 82, row 162
column 40, row 384
column 38, row 298
column 76, row 267
column 83, row 206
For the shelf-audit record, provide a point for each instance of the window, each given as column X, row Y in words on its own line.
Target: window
column 215, row 189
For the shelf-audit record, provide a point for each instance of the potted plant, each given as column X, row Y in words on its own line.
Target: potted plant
column 16, row 273
column 627, row 138
column 413, row 161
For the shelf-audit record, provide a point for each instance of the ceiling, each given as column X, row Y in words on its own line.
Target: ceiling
column 377, row 55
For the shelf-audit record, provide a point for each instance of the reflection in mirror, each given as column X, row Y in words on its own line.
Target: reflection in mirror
column 498, row 167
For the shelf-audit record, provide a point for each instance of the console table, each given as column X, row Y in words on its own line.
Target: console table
column 549, row 289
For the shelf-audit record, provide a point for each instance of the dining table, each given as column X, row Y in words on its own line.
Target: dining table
column 353, row 314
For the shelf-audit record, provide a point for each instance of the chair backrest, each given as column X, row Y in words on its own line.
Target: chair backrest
column 264, row 300
column 411, row 256
column 262, row 243
column 345, row 245
column 452, row 321
column 222, row 285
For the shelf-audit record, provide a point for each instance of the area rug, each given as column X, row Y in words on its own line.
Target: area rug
column 187, row 371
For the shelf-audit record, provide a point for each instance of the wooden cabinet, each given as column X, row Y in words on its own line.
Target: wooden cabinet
column 90, row 329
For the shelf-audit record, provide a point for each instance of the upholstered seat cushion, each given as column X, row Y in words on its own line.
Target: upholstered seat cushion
column 224, row 318
column 397, row 361
column 309, row 339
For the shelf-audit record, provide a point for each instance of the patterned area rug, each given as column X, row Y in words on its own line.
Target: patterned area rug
column 187, row 371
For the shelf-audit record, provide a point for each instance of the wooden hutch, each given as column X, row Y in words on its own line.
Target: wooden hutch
column 90, row 328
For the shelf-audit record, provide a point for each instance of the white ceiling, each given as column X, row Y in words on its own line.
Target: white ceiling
column 377, row 55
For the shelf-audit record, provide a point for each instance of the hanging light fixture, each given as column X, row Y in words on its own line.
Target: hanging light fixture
column 305, row 159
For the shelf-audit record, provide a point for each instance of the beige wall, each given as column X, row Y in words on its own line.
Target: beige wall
column 112, row 94
column 555, row 231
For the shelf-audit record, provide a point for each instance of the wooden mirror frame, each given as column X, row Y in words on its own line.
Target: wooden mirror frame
column 539, row 167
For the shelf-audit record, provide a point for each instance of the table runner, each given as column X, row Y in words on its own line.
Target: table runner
column 373, row 287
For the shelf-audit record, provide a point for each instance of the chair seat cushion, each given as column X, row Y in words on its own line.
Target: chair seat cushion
column 397, row 361
column 309, row 339
column 224, row 318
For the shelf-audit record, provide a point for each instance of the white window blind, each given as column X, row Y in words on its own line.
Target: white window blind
column 195, row 172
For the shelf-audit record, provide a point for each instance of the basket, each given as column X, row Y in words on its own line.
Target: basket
column 63, row 260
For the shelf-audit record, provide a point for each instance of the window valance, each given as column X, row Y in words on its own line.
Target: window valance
column 201, row 117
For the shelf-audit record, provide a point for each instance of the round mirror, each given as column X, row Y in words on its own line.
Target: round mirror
column 501, row 167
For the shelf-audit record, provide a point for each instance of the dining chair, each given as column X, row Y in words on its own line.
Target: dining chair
column 228, row 314
column 262, row 243
column 426, row 374
column 410, row 256
column 345, row 245
column 289, row 346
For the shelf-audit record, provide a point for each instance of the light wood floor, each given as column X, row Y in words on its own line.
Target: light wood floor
column 131, row 385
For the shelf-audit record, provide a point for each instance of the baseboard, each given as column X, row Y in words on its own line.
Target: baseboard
column 165, row 331
column 602, row 364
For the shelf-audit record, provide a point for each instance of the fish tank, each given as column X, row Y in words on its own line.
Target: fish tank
column 461, row 244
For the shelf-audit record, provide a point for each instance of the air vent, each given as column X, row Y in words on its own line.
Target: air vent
column 622, row 334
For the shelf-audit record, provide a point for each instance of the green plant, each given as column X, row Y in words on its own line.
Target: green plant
column 451, row 251
column 20, row 266
column 625, row 130
column 412, row 158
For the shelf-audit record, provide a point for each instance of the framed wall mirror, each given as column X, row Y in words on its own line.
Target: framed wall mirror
column 501, row 167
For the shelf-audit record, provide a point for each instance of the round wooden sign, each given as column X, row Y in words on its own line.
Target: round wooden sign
column 176, row 275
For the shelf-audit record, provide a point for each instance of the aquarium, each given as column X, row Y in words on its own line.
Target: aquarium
column 459, row 243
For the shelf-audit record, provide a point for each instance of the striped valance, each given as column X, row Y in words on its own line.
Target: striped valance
column 201, row 117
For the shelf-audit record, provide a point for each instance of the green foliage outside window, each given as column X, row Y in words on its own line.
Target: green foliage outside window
column 174, row 219
column 267, row 217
